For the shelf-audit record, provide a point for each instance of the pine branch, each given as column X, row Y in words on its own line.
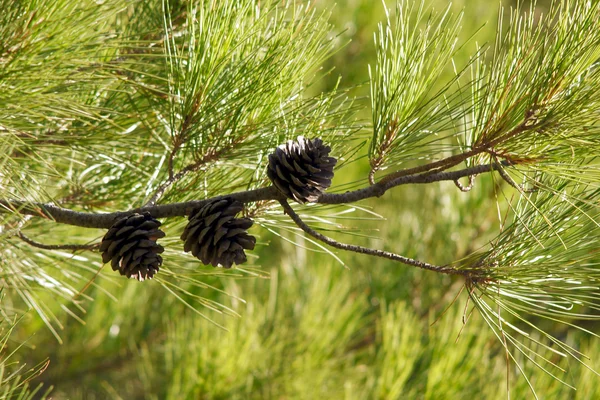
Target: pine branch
column 451, row 161
column 210, row 156
column 365, row 250
column 507, row 178
column 95, row 220
column 469, row 186
column 31, row 242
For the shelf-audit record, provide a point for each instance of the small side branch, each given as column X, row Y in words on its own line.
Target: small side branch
column 365, row 250
column 372, row 176
column 456, row 159
column 165, row 185
column 469, row 186
column 171, row 161
column 508, row 179
column 74, row 247
column 381, row 187
column 173, row 178
column 210, row 156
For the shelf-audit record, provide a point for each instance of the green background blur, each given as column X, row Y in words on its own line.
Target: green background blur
column 376, row 330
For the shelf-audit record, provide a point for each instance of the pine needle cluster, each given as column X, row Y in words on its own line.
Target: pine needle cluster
column 113, row 108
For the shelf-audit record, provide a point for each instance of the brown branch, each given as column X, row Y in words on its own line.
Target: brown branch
column 469, row 186
column 507, row 178
column 372, row 175
column 31, row 242
column 365, row 250
column 28, row 142
column 178, row 141
column 389, row 136
column 170, row 162
column 210, row 156
column 172, row 179
column 456, row 159
column 106, row 220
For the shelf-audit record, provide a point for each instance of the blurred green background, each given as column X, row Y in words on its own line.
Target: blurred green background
column 374, row 330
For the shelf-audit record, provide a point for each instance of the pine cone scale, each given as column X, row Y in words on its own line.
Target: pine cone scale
column 281, row 157
column 234, row 232
column 283, row 189
column 113, row 247
column 149, row 225
column 244, row 223
column 222, row 221
column 203, row 234
column 219, row 233
column 247, row 242
column 212, row 218
column 223, row 247
column 121, row 232
column 297, row 181
column 105, row 258
column 126, row 247
column 280, row 174
column 299, row 169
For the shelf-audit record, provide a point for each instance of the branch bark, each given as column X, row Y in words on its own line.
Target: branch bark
column 210, row 156
column 451, row 161
column 365, row 250
column 74, row 247
column 106, row 220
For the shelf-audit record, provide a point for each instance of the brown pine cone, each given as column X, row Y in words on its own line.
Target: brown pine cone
column 130, row 245
column 301, row 169
column 215, row 236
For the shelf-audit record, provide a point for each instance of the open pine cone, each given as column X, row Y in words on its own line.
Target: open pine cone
column 215, row 236
column 130, row 245
column 301, row 169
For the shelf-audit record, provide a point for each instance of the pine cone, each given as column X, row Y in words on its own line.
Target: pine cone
column 301, row 169
column 215, row 236
column 131, row 246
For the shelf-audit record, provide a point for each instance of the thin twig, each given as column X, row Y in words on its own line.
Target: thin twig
column 372, row 176
column 171, row 161
column 456, row 159
column 166, row 184
column 31, row 242
column 171, row 179
column 365, row 250
column 383, row 148
column 508, row 179
column 106, row 220
column 467, row 188
column 193, row 167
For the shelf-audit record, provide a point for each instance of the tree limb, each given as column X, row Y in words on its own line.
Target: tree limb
column 467, row 188
column 365, row 250
column 31, row 242
column 514, row 184
column 456, row 159
column 106, row 220
column 210, row 156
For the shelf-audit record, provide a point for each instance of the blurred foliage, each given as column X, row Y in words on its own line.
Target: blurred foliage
column 297, row 324
column 15, row 376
